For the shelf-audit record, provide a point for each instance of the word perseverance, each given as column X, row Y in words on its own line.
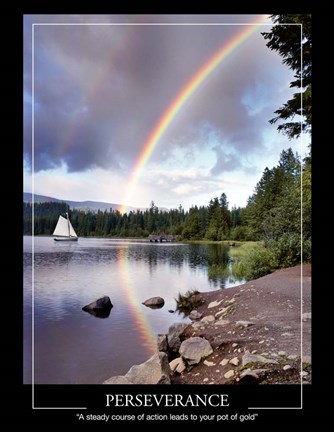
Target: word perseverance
column 167, row 400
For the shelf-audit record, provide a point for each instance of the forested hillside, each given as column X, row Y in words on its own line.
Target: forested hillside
column 272, row 214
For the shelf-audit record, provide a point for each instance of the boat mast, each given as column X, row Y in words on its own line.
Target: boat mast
column 68, row 225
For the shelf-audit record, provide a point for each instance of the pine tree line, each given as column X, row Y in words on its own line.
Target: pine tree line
column 272, row 214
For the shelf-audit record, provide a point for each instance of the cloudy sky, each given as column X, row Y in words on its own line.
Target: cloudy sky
column 100, row 90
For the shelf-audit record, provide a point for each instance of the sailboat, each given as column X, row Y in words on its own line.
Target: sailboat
column 64, row 230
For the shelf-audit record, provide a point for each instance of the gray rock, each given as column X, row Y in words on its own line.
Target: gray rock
column 244, row 324
column 120, row 379
column 155, row 370
column 251, row 376
column 99, row 308
column 222, row 322
column 287, row 367
column 194, row 349
column 162, row 342
column 255, row 358
column 307, row 315
column 196, row 325
column 208, row 319
column 177, row 365
column 208, row 363
column 173, row 337
column 195, row 315
column 154, row 302
column 229, row 374
column 234, row 361
column 214, row 304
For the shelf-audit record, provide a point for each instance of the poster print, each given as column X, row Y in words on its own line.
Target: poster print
column 162, row 207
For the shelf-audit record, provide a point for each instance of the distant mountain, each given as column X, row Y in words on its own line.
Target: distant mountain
column 79, row 205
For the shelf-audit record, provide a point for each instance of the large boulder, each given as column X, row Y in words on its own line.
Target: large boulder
column 173, row 337
column 155, row 370
column 120, row 379
column 162, row 342
column 99, row 308
column 154, row 302
column 194, row 349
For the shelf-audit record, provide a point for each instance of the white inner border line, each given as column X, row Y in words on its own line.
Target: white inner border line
column 301, row 230
column 34, row 407
column 33, row 184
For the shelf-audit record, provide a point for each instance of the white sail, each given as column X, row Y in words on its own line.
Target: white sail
column 64, row 228
column 72, row 232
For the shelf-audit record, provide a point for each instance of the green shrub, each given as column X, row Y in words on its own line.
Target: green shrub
column 258, row 262
column 286, row 250
column 307, row 250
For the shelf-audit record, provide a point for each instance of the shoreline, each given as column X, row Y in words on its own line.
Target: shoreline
column 254, row 331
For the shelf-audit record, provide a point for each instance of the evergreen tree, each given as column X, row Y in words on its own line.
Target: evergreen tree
column 294, row 44
column 192, row 229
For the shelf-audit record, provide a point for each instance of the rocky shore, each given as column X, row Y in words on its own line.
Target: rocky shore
column 249, row 334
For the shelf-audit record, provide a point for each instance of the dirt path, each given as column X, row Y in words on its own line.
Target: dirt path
column 276, row 310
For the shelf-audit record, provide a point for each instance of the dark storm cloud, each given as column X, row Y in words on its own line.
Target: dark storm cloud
column 99, row 91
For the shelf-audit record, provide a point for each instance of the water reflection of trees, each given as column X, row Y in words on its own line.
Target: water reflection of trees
column 218, row 264
column 153, row 255
column 213, row 257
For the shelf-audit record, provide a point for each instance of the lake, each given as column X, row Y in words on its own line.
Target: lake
column 74, row 347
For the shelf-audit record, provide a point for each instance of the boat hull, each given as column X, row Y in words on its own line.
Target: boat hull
column 66, row 239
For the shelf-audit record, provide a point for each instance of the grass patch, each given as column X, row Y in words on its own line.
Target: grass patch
column 188, row 301
column 230, row 311
column 242, row 249
column 252, row 260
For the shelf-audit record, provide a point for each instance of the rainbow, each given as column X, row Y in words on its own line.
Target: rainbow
column 146, row 335
column 181, row 98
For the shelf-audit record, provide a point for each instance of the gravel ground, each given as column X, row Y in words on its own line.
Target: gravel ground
column 277, row 308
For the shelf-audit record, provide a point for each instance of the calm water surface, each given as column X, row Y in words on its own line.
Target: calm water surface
column 72, row 346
